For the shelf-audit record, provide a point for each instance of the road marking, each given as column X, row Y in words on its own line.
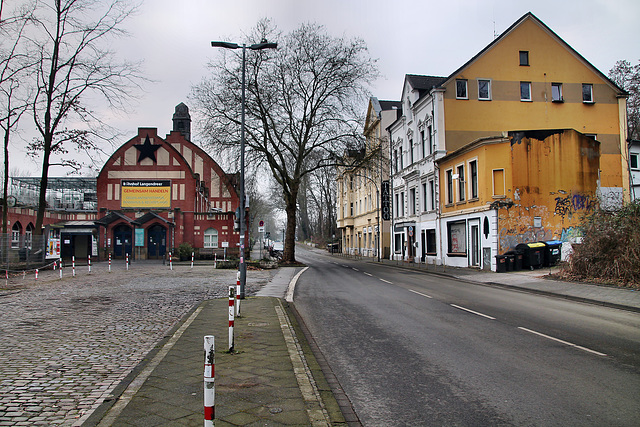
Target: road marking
column 345, row 266
column 474, row 312
column 292, row 285
column 355, row 269
column 420, row 293
column 562, row 341
column 386, row 281
column 368, row 274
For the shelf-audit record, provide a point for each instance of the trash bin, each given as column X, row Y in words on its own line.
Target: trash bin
column 552, row 252
column 501, row 263
column 511, row 261
column 532, row 254
column 517, row 258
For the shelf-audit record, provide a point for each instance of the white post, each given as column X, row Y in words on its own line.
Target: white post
column 170, row 262
column 232, row 299
column 238, row 294
column 209, row 380
column 73, row 265
column 215, row 260
column 192, row 259
column 127, row 260
column 89, row 262
column 60, row 261
column 109, row 262
column 54, row 264
column 36, row 274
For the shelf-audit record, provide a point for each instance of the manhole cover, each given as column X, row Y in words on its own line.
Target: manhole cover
column 275, row 410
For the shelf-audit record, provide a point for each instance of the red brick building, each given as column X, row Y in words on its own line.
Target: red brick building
column 155, row 193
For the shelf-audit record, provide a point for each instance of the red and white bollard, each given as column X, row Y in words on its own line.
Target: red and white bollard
column 215, row 260
column 36, row 274
column 60, row 262
column 209, row 380
column 54, row 265
column 127, row 261
column 192, row 254
column 89, row 262
column 109, row 262
column 232, row 310
column 73, row 265
column 238, row 294
column 170, row 262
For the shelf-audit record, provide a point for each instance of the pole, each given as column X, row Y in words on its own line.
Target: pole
column 89, row 262
column 170, row 262
column 73, row 265
column 238, row 295
column 192, row 259
column 60, row 261
column 209, row 380
column 232, row 298
column 36, row 274
column 109, row 262
column 126, row 260
column 242, row 266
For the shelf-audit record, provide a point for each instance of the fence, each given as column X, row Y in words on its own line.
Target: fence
column 22, row 253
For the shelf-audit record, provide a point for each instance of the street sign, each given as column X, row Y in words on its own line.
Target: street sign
column 410, row 230
column 261, row 229
column 261, row 223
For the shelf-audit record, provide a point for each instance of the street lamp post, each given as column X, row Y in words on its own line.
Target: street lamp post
column 242, row 267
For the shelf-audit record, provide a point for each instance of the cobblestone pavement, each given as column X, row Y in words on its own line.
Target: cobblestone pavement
column 66, row 343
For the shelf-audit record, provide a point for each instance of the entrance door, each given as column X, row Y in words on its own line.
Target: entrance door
column 122, row 240
column 475, row 243
column 156, row 241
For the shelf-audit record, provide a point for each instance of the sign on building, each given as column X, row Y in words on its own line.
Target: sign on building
column 386, row 201
column 146, row 193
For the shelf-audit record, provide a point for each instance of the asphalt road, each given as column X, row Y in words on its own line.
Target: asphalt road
column 410, row 349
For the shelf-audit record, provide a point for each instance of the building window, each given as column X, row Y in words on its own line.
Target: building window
column 432, row 193
column 473, row 172
column 431, row 242
column 423, row 143
column 401, row 159
column 524, row 57
column 351, row 209
column 525, row 91
column 402, row 203
column 430, row 140
column 457, row 237
column 461, row 182
column 633, row 160
column 484, row 90
column 211, row 238
column 449, row 175
column 410, row 151
column 556, row 92
column 587, row 93
column 498, row 183
column 425, row 197
column 16, row 231
column 397, row 246
column 461, row 89
column 592, row 135
column 412, row 201
column 28, row 236
column 397, row 206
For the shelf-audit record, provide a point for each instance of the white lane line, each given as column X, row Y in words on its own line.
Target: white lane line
column 368, row 274
column 386, row 281
column 562, row 341
column 474, row 312
column 420, row 293
column 345, row 266
column 355, row 269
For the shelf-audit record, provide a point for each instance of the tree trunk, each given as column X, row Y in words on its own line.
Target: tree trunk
column 289, row 255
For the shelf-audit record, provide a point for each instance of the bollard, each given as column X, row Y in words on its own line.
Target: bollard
column 60, row 261
column 209, row 380
column 238, row 294
column 36, row 274
column 54, row 264
column 73, row 265
column 192, row 259
column 127, row 261
column 232, row 299
column 109, row 262
column 215, row 261
column 89, row 262
column 170, row 262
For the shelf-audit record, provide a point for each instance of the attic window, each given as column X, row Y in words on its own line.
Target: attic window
column 524, row 57
column 461, row 89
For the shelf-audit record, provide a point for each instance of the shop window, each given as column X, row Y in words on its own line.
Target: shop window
column 431, row 242
column 211, row 238
column 457, row 237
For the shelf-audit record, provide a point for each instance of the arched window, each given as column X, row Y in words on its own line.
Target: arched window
column 28, row 236
column 211, row 238
column 16, row 231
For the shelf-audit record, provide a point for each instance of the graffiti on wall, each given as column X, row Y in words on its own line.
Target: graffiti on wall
column 510, row 237
column 572, row 203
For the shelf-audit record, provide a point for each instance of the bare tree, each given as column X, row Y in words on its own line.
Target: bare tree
column 72, row 70
column 14, row 65
column 302, row 106
column 627, row 76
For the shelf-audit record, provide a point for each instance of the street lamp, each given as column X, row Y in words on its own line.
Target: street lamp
column 242, row 267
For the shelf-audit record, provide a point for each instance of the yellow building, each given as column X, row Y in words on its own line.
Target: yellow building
column 535, row 137
column 363, row 217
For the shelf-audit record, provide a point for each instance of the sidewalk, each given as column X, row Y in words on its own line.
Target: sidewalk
column 271, row 378
column 536, row 281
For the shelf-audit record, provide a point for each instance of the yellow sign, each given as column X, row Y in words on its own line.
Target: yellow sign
column 145, row 194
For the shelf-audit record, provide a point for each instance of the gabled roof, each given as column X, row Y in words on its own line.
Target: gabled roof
column 531, row 16
column 424, row 84
column 149, row 216
column 390, row 105
column 112, row 217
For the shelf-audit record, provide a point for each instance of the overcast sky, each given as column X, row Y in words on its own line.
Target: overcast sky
column 406, row 36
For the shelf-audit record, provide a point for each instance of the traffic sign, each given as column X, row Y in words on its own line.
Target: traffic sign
column 261, row 223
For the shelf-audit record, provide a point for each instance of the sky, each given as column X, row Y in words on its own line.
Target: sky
column 405, row 36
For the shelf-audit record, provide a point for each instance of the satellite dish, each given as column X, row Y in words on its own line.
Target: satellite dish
column 11, row 201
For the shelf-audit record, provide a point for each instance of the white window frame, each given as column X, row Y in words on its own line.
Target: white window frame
column 16, row 232
column 473, row 181
column 466, row 89
column 526, row 85
column 637, row 157
column 211, row 238
column 448, row 176
column 412, row 201
column 590, row 87
column 488, row 97
column 460, row 172
column 560, row 97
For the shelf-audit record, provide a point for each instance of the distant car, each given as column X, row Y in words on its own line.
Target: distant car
column 278, row 246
